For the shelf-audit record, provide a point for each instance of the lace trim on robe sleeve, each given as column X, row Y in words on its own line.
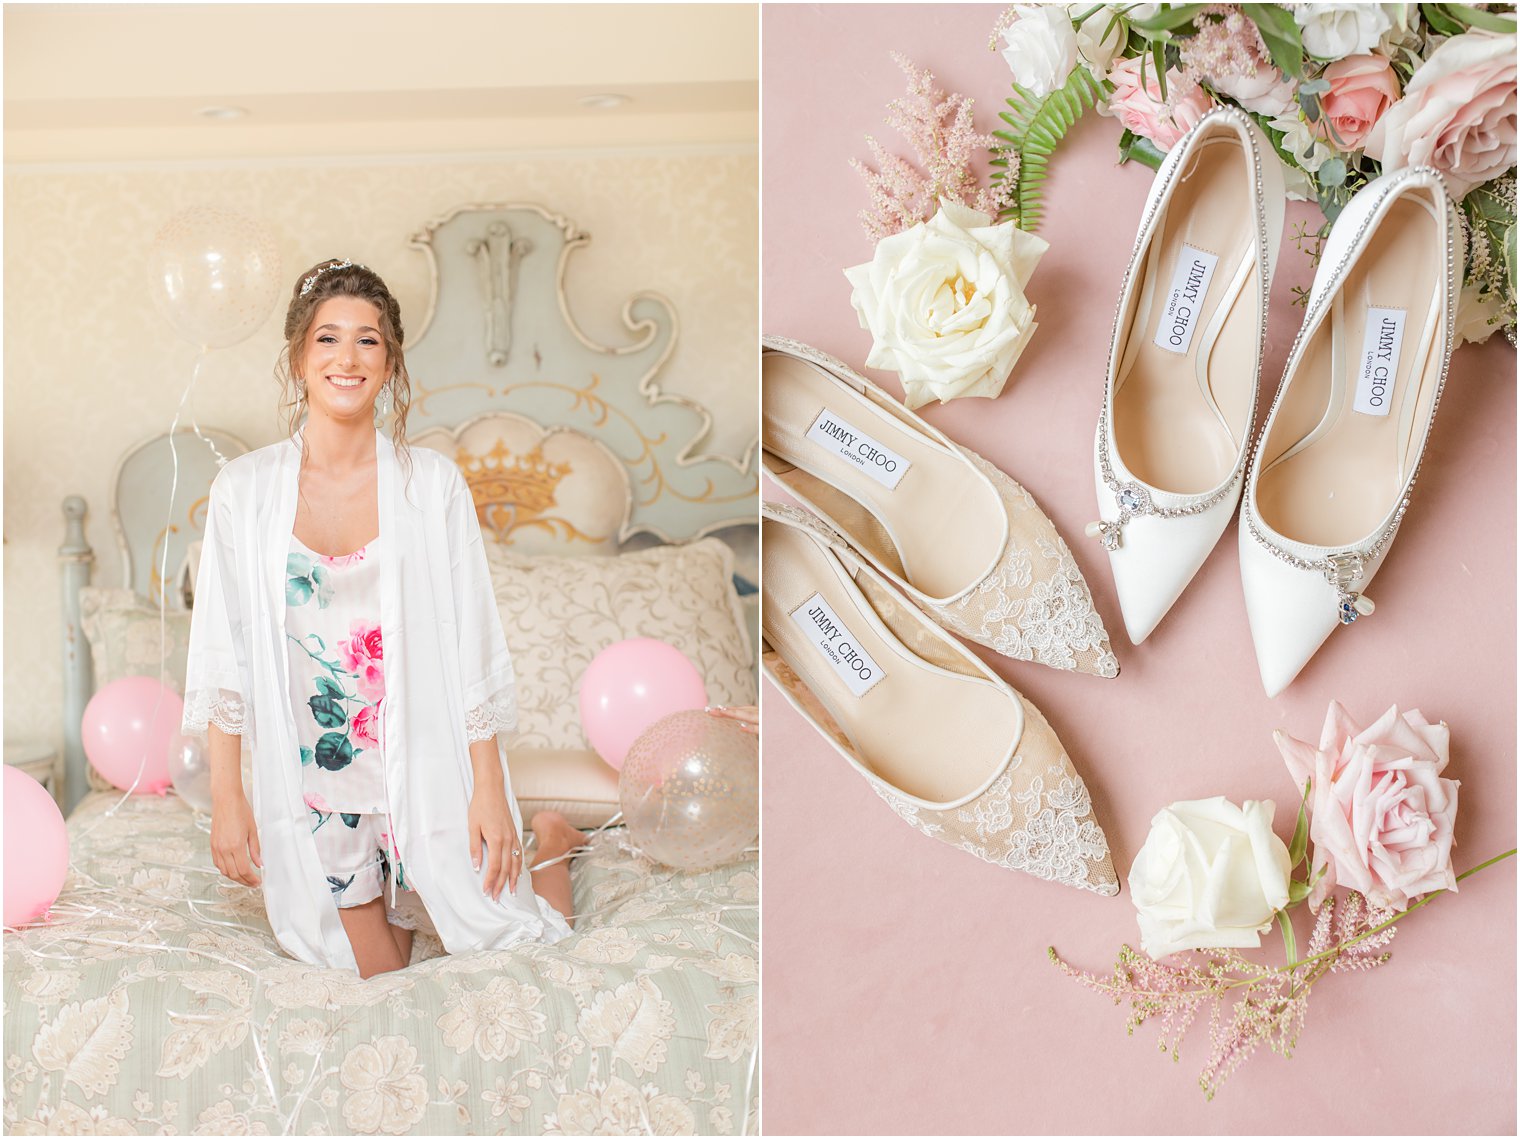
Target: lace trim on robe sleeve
column 498, row 714
column 214, row 706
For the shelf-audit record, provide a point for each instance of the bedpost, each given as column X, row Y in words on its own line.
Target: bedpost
column 75, row 557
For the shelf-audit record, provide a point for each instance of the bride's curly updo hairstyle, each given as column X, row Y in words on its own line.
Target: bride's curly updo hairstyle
column 342, row 278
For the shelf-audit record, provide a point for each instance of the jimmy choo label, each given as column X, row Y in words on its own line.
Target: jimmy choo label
column 858, row 449
column 827, row 633
column 1184, row 300
column 1381, row 345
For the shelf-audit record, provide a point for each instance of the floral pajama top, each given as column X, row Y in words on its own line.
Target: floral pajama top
column 337, row 682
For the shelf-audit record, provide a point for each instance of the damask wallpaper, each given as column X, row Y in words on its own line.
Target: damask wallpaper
column 91, row 367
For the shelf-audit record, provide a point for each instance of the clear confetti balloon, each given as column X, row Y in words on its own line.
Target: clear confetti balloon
column 690, row 791
column 190, row 770
column 214, row 274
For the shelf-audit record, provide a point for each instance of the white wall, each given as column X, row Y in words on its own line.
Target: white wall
column 90, row 368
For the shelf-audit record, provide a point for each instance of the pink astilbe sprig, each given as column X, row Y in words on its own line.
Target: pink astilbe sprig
column 1251, row 1004
column 945, row 142
column 1226, row 44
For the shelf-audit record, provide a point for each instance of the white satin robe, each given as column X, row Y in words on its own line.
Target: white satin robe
column 445, row 656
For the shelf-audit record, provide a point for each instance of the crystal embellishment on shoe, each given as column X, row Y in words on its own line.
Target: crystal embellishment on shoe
column 1134, row 500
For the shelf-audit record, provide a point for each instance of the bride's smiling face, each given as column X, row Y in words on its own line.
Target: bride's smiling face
column 344, row 362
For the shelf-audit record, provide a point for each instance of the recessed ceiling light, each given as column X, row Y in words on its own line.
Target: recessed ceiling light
column 604, row 101
column 222, row 114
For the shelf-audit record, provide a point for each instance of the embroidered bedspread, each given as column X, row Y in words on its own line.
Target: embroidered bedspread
column 157, row 1002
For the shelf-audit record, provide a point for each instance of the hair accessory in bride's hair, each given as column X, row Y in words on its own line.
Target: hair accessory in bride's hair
column 307, row 284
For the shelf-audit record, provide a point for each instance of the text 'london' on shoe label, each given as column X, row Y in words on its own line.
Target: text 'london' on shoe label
column 834, row 642
column 1184, row 300
column 854, row 446
column 1382, row 344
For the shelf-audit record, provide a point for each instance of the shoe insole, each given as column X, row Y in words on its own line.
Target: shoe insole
column 906, row 498
column 1352, row 420
column 934, row 734
column 1182, row 394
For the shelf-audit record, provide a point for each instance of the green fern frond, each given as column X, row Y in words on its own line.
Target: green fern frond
column 1036, row 127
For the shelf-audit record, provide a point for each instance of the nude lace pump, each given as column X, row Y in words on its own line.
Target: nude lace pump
column 1338, row 454
column 1185, row 362
column 959, row 538
column 947, row 744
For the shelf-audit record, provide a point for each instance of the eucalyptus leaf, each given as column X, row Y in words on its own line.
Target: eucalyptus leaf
column 1332, row 172
column 1320, row 86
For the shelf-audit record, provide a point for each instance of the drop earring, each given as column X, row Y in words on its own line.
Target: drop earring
column 300, row 388
column 383, row 400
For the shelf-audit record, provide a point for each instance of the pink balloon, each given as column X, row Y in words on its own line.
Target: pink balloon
column 628, row 686
column 36, row 848
column 127, row 727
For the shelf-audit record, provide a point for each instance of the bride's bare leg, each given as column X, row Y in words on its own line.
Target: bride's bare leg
column 403, row 942
column 375, row 951
column 555, row 837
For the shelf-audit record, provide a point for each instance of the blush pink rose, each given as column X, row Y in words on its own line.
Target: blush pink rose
column 1381, row 815
column 1142, row 110
column 1362, row 88
column 1457, row 114
column 365, row 726
column 363, row 654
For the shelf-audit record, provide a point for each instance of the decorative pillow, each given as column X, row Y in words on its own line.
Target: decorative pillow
column 559, row 612
column 124, row 634
column 125, row 639
column 575, row 783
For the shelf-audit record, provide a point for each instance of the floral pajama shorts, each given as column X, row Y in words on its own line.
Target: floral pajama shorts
column 357, row 853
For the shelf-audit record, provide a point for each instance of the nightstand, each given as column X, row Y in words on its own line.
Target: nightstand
column 39, row 760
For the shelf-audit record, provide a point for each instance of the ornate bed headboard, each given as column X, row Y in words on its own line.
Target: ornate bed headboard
column 569, row 446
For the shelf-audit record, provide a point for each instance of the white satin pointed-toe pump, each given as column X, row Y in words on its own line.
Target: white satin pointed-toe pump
column 1340, row 449
column 1185, row 362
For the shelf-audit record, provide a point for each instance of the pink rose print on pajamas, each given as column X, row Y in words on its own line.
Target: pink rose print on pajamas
column 363, row 654
column 365, row 726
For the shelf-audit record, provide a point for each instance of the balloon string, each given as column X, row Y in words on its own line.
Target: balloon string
column 749, row 1084
column 163, row 593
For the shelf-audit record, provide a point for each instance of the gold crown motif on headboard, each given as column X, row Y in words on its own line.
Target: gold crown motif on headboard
column 512, row 491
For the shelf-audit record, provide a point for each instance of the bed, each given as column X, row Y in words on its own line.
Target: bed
column 154, row 999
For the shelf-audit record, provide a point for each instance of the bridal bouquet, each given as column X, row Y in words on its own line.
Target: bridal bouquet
column 1213, row 876
column 1344, row 91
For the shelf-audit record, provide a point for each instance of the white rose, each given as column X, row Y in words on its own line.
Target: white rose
column 945, row 303
column 1210, row 875
column 1042, row 47
column 1096, row 49
column 1269, row 92
column 1334, row 31
column 1478, row 314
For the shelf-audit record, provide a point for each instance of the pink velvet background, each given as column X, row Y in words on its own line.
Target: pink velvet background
column 906, row 987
